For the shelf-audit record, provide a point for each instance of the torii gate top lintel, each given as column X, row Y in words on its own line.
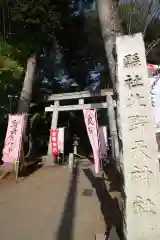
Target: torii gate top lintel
column 80, row 96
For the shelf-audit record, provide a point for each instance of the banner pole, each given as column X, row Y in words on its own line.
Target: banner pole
column 21, row 162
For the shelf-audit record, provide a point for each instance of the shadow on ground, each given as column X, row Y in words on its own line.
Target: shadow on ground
column 114, row 177
column 28, row 170
column 109, row 206
column 65, row 230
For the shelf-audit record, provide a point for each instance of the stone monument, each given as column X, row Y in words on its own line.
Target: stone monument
column 139, row 151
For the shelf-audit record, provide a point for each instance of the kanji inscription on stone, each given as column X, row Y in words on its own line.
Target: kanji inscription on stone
column 141, row 146
column 131, row 60
column 142, row 173
column 135, row 98
column 133, row 81
column 141, row 206
column 137, row 120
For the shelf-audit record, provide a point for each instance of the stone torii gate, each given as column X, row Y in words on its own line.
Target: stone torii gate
column 83, row 98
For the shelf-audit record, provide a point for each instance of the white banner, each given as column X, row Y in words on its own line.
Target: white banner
column 61, row 140
column 154, row 76
column 13, row 140
column 90, row 118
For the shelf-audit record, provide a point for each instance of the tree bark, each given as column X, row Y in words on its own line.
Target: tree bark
column 26, row 94
column 110, row 28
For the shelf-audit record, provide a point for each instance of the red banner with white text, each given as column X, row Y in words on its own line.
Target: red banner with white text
column 54, row 141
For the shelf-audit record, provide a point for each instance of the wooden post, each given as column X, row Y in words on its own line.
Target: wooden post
column 20, row 165
column 53, row 126
column 71, row 161
column 113, row 128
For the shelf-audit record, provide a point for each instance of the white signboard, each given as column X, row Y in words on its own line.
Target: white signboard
column 140, row 163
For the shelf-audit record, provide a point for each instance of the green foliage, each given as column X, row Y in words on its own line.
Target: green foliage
column 27, row 27
column 8, row 62
column 34, row 22
column 11, row 75
column 10, row 69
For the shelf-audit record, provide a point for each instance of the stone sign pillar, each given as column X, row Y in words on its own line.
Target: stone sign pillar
column 140, row 162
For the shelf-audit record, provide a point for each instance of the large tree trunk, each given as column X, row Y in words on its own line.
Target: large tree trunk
column 26, row 97
column 110, row 27
column 26, row 94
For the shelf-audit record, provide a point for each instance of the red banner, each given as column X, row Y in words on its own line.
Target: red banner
column 54, row 141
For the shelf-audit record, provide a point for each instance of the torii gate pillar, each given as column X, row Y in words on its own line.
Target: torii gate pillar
column 54, row 122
